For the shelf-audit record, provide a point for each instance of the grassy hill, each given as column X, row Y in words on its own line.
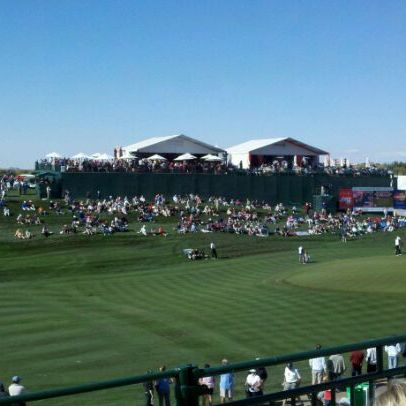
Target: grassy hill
column 78, row 308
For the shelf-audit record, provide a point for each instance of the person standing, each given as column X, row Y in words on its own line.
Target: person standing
column 291, row 379
column 371, row 360
column 253, row 384
column 356, row 359
column 398, row 244
column 393, row 352
column 300, row 251
column 163, row 389
column 208, row 381
column 213, row 250
column 318, row 367
column 226, row 385
column 148, row 392
column 337, row 367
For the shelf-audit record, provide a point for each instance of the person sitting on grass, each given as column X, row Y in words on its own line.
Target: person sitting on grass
column 19, row 234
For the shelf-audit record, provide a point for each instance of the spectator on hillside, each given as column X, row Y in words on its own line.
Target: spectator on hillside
column 318, row 367
column 226, row 385
column 213, row 250
column 398, row 244
column 356, row 359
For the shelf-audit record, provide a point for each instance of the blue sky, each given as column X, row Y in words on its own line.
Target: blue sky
column 92, row 74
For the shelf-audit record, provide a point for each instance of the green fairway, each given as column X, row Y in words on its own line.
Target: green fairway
column 76, row 308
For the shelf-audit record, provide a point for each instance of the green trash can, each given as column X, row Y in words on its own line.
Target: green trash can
column 361, row 394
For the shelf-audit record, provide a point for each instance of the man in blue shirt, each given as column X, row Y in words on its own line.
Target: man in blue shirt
column 226, row 385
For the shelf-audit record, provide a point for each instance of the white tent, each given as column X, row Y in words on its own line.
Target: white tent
column 80, row 155
column 52, row 155
column 185, row 157
column 95, row 155
column 156, row 157
column 242, row 153
column 172, row 144
column 212, row 158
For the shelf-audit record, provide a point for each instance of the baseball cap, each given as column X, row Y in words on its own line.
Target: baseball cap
column 253, row 370
column 16, row 379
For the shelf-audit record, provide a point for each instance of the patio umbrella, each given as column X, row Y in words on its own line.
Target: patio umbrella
column 53, row 155
column 156, row 157
column 185, row 157
column 212, row 158
column 104, row 157
column 80, row 155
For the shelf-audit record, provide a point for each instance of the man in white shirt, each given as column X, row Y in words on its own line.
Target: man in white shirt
column 398, row 243
column 393, row 352
column 253, row 384
column 291, row 379
column 318, row 366
column 371, row 360
column 16, row 389
column 300, row 251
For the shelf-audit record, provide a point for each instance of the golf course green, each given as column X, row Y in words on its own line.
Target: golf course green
column 76, row 309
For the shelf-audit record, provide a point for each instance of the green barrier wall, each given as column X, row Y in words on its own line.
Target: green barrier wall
column 277, row 188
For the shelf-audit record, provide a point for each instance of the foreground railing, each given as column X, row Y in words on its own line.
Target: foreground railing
column 188, row 390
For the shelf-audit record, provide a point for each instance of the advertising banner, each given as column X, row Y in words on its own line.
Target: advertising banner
column 345, row 200
column 399, row 199
column 372, row 199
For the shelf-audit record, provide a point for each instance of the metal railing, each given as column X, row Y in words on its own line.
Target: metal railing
column 188, row 390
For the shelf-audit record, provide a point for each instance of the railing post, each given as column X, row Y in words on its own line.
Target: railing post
column 187, row 388
column 379, row 358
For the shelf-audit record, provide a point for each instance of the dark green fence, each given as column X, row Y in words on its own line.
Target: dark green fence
column 285, row 188
column 188, row 391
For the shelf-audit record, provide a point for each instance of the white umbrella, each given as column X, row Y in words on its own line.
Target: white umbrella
column 185, row 157
column 212, row 158
column 80, row 155
column 103, row 157
column 53, row 155
column 156, row 157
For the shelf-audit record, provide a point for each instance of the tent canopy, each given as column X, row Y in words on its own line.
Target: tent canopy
column 271, row 147
column 172, row 144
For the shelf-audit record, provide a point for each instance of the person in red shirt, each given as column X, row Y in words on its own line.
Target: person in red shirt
column 356, row 359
